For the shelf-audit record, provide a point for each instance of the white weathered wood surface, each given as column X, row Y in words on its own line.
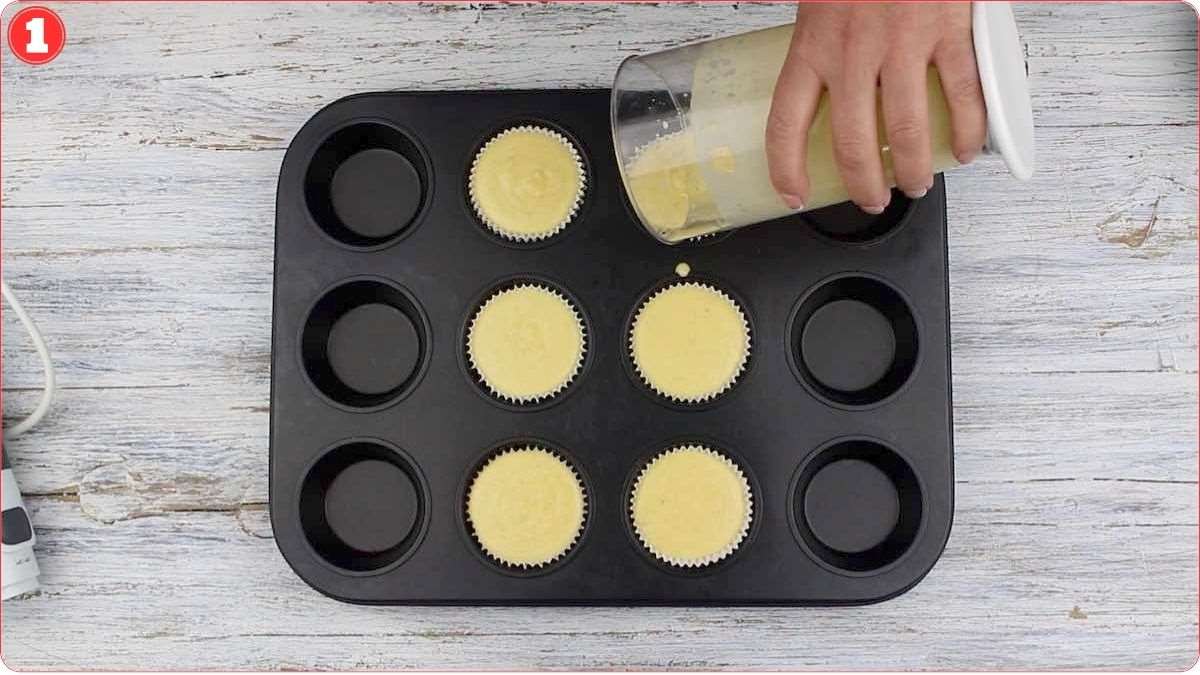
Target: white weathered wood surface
column 138, row 185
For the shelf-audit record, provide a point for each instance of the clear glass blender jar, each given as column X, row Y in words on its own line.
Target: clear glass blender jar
column 689, row 127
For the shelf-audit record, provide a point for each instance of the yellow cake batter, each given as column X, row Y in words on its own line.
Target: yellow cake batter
column 526, row 183
column 691, row 506
column 526, row 343
column 668, row 189
column 690, row 342
column 526, row 507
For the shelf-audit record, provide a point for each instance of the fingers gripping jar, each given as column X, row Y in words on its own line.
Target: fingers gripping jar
column 689, row 127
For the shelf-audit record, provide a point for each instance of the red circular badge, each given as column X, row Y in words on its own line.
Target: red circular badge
column 36, row 35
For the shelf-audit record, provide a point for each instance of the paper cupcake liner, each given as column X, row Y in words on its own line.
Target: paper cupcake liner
column 542, row 396
column 524, row 565
column 707, row 396
column 524, row 237
column 729, row 548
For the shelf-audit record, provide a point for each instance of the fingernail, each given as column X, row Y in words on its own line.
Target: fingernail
column 793, row 201
column 874, row 210
column 916, row 194
column 967, row 157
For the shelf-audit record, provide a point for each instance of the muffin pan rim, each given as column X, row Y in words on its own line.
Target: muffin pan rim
column 424, row 497
column 792, row 349
column 497, row 286
column 421, row 323
column 795, row 527
column 477, row 464
column 429, row 193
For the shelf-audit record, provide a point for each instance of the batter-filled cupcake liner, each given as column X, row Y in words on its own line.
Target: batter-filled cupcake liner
column 546, row 560
column 716, row 391
column 538, row 397
column 724, row 552
column 526, row 237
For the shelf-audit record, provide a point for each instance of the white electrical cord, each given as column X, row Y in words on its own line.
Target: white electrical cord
column 47, row 367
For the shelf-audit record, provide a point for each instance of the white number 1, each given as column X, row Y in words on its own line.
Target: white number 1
column 37, row 36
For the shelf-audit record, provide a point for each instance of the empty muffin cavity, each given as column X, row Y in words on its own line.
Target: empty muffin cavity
column 856, row 505
column 367, row 184
column 363, row 506
column 365, row 343
column 853, row 341
column 848, row 223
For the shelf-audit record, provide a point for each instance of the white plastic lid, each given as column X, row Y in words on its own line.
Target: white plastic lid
column 1001, row 61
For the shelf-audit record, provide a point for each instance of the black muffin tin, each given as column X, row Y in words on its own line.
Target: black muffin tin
column 842, row 419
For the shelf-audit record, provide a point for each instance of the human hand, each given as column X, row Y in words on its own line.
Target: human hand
column 849, row 49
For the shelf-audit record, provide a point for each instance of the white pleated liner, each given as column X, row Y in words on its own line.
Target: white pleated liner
column 527, row 400
column 692, row 400
column 729, row 548
column 582, row 519
column 579, row 195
